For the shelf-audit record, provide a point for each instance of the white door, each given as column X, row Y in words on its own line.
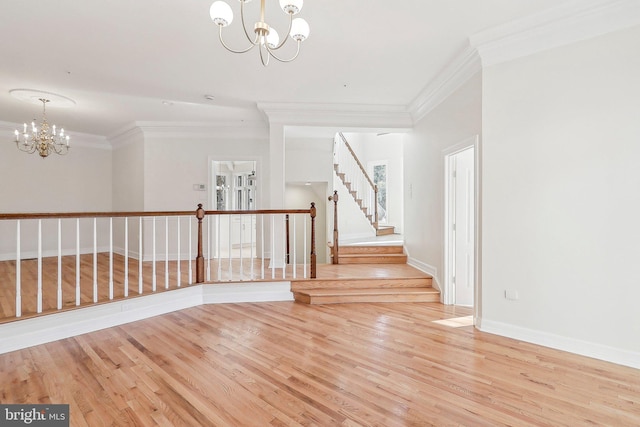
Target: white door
column 463, row 223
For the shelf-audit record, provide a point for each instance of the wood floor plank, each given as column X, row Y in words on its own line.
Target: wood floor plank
column 288, row 364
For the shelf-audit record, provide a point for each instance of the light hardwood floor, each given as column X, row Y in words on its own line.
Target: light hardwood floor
column 277, row 364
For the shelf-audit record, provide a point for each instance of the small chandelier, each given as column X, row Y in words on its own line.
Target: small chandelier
column 266, row 38
column 42, row 140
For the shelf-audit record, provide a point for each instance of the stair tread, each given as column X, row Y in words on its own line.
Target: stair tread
column 372, row 255
column 368, row 291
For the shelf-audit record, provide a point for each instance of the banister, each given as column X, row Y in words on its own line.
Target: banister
column 353, row 154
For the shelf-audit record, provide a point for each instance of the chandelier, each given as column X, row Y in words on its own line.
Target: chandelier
column 266, row 38
column 44, row 140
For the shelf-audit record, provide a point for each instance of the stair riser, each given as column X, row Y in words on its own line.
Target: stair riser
column 362, row 284
column 373, row 260
column 351, row 250
column 344, row 299
column 384, row 231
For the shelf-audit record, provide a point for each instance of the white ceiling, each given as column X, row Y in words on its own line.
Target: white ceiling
column 120, row 59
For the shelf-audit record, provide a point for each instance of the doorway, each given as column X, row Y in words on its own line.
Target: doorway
column 234, row 187
column 460, row 218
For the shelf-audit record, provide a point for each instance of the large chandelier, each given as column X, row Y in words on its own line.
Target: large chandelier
column 45, row 140
column 266, row 38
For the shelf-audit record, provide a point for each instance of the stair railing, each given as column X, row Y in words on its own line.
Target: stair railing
column 358, row 183
column 56, row 261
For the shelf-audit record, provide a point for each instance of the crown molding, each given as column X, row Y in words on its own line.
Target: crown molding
column 337, row 115
column 190, row 130
column 464, row 66
column 567, row 23
column 78, row 139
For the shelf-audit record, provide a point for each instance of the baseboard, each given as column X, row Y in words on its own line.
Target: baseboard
column 247, row 292
column 572, row 345
column 40, row 330
column 24, row 255
column 426, row 268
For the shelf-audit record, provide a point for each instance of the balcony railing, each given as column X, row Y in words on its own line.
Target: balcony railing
column 57, row 261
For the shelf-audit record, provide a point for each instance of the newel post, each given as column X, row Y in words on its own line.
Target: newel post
column 200, row 258
column 335, row 259
column 312, row 211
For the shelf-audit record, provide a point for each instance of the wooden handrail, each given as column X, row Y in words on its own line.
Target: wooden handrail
column 353, row 154
column 369, row 180
column 56, row 215
column 14, row 216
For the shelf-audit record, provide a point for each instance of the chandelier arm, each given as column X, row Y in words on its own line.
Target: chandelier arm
column 287, row 35
column 26, row 147
column 233, row 50
column 285, row 60
column 244, row 26
column 262, row 56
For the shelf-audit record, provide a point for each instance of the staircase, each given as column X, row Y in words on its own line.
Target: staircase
column 371, row 274
column 362, row 189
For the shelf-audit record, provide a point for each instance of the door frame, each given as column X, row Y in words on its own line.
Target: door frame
column 448, row 291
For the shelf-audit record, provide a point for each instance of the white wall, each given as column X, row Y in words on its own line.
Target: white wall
column 128, row 174
column 456, row 119
column 561, row 199
column 77, row 182
column 298, row 196
column 172, row 166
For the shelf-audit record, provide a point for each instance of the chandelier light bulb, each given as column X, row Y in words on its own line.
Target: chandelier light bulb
column 291, row 6
column 221, row 13
column 299, row 30
column 273, row 39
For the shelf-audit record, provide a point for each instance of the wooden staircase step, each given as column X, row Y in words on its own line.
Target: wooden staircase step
column 385, row 283
column 372, row 258
column 371, row 249
column 341, row 296
column 385, row 230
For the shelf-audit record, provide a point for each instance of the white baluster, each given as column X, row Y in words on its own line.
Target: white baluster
column 178, row 269
column 218, row 247
column 110, row 258
column 240, row 228
column 166, row 252
column 230, row 277
column 140, row 256
column 284, row 247
column 39, row 296
column 273, row 246
column 59, row 264
column 18, row 272
column 294, row 247
column 252, row 218
column 153, row 254
column 126, row 257
column 262, row 240
column 304, row 268
column 77, row 261
column 190, row 257
column 95, row 260
column 209, row 248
